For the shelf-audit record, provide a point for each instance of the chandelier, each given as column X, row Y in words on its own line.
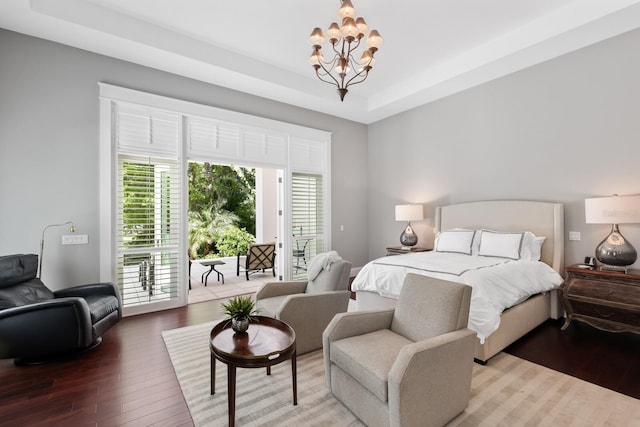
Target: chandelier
column 343, row 70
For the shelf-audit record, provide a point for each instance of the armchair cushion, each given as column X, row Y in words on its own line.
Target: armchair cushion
column 269, row 306
column 334, row 277
column 368, row 358
column 419, row 313
column 16, row 269
column 29, row 292
column 5, row 303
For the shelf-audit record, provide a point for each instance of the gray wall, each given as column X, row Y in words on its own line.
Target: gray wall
column 560, row 131
column 49, row 150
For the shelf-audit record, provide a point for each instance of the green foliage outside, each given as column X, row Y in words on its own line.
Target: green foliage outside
column 138, row 221
column 222, row 214
column 233, row 241
column 235, row 185
column 206, row 227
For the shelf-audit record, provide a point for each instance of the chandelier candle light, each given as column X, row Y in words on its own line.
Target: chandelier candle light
column 343, row 70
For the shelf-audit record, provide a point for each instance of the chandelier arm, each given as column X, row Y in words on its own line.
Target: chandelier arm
column 351, row 82
column 341, row 42
column 333, row 80
column 355, row 46
column 332, row 63
column 364, row 73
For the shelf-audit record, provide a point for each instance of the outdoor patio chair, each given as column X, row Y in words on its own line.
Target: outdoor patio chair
column 259, row 257
column 300, row 254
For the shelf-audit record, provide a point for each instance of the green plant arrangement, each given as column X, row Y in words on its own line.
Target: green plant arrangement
column 240, row 310
column 233, row 241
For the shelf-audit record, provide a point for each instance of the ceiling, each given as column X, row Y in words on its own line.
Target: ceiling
column 432, row 48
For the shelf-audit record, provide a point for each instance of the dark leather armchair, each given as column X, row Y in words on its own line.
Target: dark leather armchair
column 37, row 324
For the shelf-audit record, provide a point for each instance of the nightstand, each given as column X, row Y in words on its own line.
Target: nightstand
column 397, row 250
column 608, row 300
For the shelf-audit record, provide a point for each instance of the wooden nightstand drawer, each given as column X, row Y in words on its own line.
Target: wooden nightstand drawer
column 604, row 291
column 605, row 299
column 606, row 313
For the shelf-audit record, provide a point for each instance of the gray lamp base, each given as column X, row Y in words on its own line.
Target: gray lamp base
column 408, row 237
column 615, row 252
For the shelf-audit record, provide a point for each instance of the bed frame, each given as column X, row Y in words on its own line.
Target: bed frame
column 542, row 219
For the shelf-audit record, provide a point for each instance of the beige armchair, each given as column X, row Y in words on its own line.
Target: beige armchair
column 405, row 367
column 308, row 307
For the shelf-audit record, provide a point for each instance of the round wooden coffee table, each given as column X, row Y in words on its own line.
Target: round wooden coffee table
column 267, row 342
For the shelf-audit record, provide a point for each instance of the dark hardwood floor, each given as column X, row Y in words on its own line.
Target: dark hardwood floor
column 129, row 380
column 609, row 359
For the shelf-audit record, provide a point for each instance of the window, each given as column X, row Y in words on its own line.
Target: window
column 147, row 230
column 307, row 220
column 148, row 209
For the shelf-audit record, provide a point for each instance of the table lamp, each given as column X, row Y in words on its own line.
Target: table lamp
column 614, row 252
column 409, row 213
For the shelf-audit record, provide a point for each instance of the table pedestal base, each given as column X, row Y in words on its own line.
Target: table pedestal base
column 231, row 385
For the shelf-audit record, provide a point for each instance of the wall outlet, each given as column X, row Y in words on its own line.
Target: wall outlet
column 574, row 235
column 75, row 239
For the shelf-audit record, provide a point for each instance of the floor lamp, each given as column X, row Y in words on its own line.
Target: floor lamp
column 72, row 229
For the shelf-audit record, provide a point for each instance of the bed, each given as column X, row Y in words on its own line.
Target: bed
column 539, row 218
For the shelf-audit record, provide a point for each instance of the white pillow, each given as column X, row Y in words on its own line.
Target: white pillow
column 456, row 241
column 531, row 247
column 501, row 245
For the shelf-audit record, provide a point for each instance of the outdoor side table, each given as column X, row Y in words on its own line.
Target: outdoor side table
column 267, row 342
column 211, row 263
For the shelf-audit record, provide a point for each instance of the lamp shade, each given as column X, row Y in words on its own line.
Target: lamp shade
column 409, row 212
column 612, row 210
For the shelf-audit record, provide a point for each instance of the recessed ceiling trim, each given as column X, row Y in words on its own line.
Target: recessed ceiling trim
column 92, row 26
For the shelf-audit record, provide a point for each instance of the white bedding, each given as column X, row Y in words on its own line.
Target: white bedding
column 497, row 283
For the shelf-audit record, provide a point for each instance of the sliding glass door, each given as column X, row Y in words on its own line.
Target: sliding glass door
column 147, row 230
column 307, row 221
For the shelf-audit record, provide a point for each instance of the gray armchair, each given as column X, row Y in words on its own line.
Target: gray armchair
column 405, row 367
column 308, row 307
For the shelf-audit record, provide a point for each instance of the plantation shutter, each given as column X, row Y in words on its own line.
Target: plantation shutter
column 307, row 220
column 148, row 209
column 149, row 138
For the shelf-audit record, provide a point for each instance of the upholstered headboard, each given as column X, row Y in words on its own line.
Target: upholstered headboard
column 540, row 218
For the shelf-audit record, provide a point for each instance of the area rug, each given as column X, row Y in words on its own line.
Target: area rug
column 508, row 391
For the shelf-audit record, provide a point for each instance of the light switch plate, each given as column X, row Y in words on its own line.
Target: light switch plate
column 574, row 235
column 75, row 239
